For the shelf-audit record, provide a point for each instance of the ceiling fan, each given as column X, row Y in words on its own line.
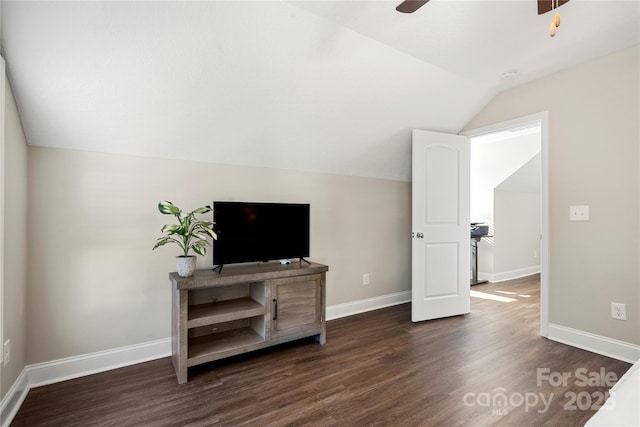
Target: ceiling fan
column 544, row 6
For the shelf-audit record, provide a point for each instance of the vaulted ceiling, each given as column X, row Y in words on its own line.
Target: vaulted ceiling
column 324, row 86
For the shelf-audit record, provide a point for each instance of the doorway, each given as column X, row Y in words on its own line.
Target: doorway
column 505, row 196
column 537, row 123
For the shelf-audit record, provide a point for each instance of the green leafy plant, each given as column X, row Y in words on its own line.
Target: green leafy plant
column 190, row 233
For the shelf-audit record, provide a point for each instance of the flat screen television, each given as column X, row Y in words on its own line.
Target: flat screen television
column 249, row 231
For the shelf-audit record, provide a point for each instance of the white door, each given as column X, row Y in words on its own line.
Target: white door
column 440, row 225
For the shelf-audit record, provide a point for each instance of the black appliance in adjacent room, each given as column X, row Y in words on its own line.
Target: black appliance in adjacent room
column 478, row 231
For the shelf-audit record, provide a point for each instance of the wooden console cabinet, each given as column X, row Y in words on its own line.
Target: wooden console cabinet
column 217, row 315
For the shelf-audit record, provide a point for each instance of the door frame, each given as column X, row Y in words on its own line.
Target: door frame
column 2, row 193
column 543, row 119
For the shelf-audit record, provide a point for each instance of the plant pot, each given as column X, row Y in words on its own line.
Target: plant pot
column 186, row 265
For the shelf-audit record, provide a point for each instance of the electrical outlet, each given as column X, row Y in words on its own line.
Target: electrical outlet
column 6, row 352
column 618, row 311
column 579, row 213
column 365, row 279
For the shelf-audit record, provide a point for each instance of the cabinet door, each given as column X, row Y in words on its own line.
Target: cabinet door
column 297, row 306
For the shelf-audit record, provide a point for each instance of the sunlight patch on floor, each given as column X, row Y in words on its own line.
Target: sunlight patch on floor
column 513, row 293
column 491, row 296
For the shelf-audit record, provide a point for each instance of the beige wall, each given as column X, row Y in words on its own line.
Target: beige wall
column 14, row 182
column 94, row 282
column 594, row 138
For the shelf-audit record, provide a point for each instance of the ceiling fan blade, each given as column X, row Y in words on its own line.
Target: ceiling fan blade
column 545, row 6
column 410, row 6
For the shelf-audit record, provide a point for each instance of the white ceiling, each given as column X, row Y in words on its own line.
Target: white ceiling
column 326, row 86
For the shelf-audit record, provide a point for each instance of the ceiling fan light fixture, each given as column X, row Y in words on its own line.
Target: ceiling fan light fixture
column 556, row 19
column 552, row 29
column 410, row 6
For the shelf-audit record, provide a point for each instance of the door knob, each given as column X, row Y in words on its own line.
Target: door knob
column 420, row 235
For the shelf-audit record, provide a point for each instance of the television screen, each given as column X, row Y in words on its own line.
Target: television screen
column 259, row 231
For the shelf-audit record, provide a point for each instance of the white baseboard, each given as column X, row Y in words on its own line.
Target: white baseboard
column 509, row 275
column 350, row 308
column 14, row 398
column 78, row 366
column 92, row 363
column 595, row 343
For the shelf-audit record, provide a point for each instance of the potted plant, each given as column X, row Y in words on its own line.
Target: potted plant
column 189, row 233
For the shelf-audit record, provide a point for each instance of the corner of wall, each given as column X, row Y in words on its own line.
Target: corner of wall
column 13, row 220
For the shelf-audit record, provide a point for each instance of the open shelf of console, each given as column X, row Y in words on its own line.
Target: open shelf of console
column 228, row 343
column 223, row 311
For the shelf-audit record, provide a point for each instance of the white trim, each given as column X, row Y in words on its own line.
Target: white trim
column 509, row 275
column 543, row 119
column 350, row 308
column 13, row 399
column 78, row 366
column 2, row 185
column 609, row 347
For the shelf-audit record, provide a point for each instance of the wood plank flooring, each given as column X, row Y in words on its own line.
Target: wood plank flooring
column 377, row 369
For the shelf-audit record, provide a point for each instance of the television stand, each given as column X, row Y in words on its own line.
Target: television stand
column 246, row 308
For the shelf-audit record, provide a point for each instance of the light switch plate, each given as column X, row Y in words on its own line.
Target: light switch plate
column 579, row 213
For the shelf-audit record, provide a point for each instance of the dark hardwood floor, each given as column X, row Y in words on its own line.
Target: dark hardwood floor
column 377, row 369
